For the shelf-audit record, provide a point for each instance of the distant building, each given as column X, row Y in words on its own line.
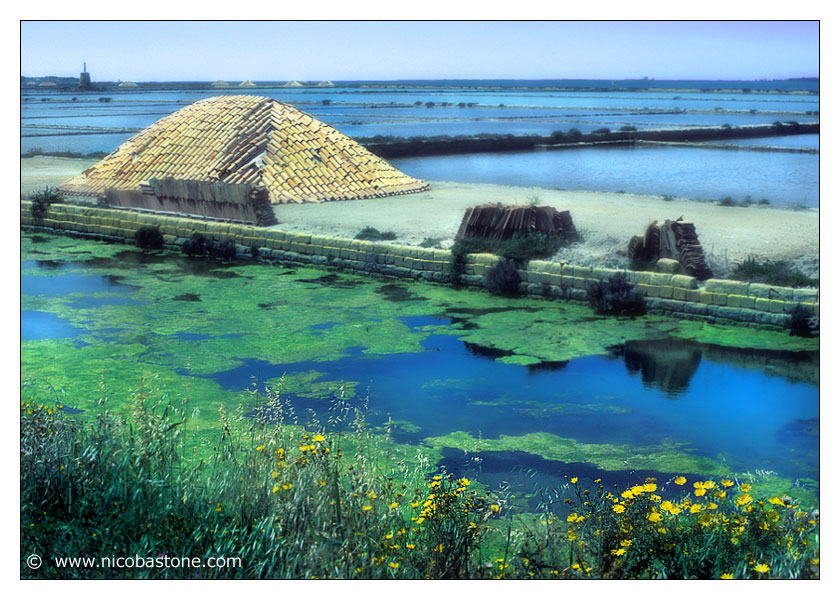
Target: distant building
column 84, row 78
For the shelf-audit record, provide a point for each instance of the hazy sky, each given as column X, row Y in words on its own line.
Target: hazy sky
column 207, row 51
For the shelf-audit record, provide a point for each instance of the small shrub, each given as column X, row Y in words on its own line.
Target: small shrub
column 764, row 201
column 574, row 133
column 803, row 323
column 616, row 296
column 668, row 198
column 778, row 272
column 431, row 242
column 373, row 234
column 41, row 202
column 457, row 262
column 602, row 131
column 728, row 201
column 503, row 279
column 255, row 252
column 195, row 246
column 628, row 128
column 148, row 238
column 223, row 250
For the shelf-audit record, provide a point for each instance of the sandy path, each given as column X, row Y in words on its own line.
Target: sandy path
column 607, row 220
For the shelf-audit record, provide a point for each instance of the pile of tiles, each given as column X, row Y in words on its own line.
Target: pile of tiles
column 248, row 139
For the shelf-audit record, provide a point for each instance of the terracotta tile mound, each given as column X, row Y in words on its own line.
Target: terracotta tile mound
column 248, row 139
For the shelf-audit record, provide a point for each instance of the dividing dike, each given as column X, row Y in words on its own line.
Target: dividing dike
column 750, row 304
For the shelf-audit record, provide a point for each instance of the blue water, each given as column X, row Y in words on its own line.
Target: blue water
column 715, row 407
column 724, row 403
column 707, row 174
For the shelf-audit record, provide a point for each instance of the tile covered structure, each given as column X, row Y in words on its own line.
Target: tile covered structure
column 248, row 139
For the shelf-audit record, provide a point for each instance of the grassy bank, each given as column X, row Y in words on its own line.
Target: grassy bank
column 277, row 500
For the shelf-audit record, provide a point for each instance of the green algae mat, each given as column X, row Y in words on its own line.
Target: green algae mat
column 210, row 334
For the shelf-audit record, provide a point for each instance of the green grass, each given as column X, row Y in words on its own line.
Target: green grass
column 279, row 500
column 779, row 272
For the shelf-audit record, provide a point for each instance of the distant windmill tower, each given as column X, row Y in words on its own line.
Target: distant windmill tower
column 84, row 77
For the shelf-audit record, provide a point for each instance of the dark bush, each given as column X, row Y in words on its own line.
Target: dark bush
column 574, row 133
column 628, row 128
column 373, row 234
column 255, row 252
column 772, row 272
column 223, row 250
column 457, row 262
column 148, row 238
column 803, row 323
column 431, row 242
column 503, row 279
column 764, row 201
column 616, row 296
column 521, row 248
column 430, row 104
column 728, row 201
column 602, row 131
column 325, row 102
column 41, row 202
column 195, row 246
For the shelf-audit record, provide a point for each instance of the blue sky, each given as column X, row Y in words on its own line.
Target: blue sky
column 166, row 51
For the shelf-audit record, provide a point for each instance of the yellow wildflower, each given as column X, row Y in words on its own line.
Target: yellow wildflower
column 367, row 507
column 762, row 568
column 393, row 505
column 655, row 517
column 666, row 505
column 572, row 518
column 626, row 543
column 275, row 489
column 618, row 552
column 746, row 487
column 650, row 487
column 619, row 508
column 680, row 480
column 574, row 480
column 695, row 508
column 287, row 486
column 711, row 506
column 700, row 491
column 495, row 508
column 410, row 546
column 743, row 499
column 727, row 576
column 727, row 483
column 394, row 565
column 463, row 481
column 260, row 448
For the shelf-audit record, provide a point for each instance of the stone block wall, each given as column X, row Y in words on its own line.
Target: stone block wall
column 681, row 295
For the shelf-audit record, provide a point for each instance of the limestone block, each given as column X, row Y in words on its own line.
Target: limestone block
column 759, row 290
column 679, row 293
column 782, row 293
column 707, row 297
column 667, row 265
column 692, row 295
column 805, row 295
column 666, row 291
column 725, row 286
column 684, row 281
column 721, row 299
column 727, row 312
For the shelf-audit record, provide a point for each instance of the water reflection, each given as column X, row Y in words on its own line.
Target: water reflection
column 667, row 364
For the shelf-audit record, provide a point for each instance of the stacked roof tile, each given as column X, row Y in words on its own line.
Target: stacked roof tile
column 248, row 139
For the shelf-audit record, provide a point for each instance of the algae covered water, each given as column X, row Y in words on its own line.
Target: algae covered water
column 509, row 391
